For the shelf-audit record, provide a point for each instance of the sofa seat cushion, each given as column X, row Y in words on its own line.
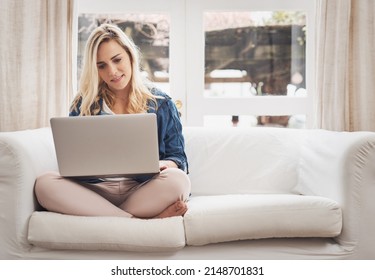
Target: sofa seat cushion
column 57, row 231
column 213, row 219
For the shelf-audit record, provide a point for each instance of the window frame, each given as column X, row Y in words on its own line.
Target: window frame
column 187, row 45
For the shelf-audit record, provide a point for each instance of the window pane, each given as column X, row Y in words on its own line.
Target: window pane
column 254, row 53
column 150, row 32
column 295, row 121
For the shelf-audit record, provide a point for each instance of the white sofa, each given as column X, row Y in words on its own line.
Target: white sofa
column 259, row 193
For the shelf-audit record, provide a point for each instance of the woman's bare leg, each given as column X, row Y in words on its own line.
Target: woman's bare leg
column 163, row 196
column 65, row 196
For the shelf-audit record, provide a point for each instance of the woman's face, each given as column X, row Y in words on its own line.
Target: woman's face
column 114, row 67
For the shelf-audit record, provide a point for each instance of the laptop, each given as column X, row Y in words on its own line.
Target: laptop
column 106, row 146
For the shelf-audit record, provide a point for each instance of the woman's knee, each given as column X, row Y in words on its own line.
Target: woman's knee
column 44, row 185
column 178, row 181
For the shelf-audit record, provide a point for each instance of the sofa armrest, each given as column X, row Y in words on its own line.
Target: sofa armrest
column 341, row 166
column 23, row 156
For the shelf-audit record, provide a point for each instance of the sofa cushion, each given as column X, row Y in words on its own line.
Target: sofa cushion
column 242, row 161
column 213, row 219
column 58, row 231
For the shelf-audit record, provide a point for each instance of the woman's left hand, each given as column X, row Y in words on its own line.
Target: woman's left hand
column 164, row 164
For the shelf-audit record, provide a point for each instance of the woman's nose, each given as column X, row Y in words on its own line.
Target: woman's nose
column 112, row 69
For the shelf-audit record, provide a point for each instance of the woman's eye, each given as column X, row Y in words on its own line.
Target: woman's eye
column 117, row 60
column 101, row 66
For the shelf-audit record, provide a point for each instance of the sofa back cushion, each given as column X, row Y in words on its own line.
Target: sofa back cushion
column 242, row 161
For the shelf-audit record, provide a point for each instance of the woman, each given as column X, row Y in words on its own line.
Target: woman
column 111, row 83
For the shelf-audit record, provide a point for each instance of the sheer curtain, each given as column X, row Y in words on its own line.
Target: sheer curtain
column 345, row 99
column 35, row 62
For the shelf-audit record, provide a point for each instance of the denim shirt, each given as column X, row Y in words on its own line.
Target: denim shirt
column 170, row 138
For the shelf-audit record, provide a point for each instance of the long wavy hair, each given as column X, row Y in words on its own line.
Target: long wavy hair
column 92, row 87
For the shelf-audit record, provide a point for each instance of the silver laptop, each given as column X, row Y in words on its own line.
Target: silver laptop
column 106, row 146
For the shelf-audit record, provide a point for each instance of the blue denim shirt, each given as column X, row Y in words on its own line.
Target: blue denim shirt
column 171, row 140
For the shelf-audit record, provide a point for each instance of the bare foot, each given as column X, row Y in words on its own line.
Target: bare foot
column 178, row 208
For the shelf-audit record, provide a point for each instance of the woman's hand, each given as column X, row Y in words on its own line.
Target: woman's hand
column 164, row 164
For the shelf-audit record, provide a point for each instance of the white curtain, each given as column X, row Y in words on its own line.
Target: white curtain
column 345, row 99
column 35, row 62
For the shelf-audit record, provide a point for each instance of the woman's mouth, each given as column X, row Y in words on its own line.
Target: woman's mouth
column 117, row 79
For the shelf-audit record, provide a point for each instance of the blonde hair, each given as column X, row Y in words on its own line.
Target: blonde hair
column 92, row 87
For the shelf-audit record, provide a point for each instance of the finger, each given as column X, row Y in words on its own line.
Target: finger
column 163, row 167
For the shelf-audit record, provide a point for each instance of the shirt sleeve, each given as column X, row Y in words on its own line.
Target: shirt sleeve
column 171, row 140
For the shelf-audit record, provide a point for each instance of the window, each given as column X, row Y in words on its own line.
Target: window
column 254, row 53
column 235, row 63
column 251, row 54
